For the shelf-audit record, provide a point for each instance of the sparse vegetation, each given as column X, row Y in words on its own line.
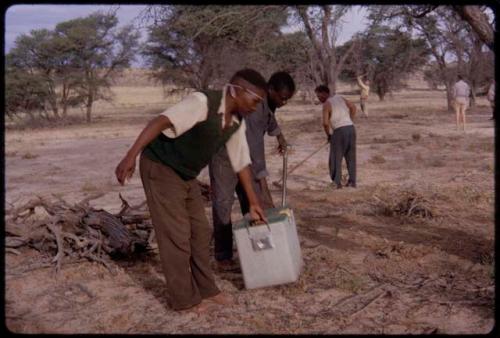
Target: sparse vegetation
column 377, row 159
column 29, row 156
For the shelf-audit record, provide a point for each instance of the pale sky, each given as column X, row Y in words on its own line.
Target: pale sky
column 21, row 19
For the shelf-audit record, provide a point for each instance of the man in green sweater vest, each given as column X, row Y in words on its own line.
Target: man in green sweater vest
column 175, row 146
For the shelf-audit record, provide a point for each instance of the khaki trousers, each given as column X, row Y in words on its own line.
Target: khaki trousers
column 182, row 231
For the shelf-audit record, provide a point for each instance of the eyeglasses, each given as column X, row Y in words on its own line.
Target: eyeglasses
column 247, row 90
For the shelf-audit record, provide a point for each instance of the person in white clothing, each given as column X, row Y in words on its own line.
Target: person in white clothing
column 364, row 94
column 337, row 122
column 461, row 93
column 491, row 98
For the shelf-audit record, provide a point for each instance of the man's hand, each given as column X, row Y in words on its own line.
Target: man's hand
column 257, row 214
column 125, row 169
column 282, row 144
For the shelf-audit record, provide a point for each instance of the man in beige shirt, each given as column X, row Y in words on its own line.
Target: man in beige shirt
column 461, row 93
column 175, row 146
column 364, row 94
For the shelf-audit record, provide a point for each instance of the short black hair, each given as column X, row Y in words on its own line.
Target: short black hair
column 322, row 89
column 460, row 76
column 281, row 81
column 252, row 76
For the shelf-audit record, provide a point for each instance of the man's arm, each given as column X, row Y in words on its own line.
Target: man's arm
column 126, row 167
column 273, row 129
column 351, row 106
column 173, row 122
column 282, row 144
column 327, row 111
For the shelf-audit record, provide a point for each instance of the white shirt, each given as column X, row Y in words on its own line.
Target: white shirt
column 491, row 92
column 461, row 89
column 194, row 109
column 340, row 112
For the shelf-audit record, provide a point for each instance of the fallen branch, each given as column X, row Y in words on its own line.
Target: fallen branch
column 81, row 232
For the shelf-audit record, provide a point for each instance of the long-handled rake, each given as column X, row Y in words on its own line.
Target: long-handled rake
column 285, row 173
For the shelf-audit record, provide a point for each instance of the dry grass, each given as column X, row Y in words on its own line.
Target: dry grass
column 436, row 162
column 407, row 203
column 377, row 159
column 486, row 146
column 89, row 187
column 29, row 156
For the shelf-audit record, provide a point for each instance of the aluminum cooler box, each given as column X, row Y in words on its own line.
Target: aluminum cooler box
column 269, row 254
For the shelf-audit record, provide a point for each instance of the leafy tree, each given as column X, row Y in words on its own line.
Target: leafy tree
column 97, row 50
column 454, row 44
column 388, row 55
column 322, row 25
column 33, row 57
column 25, row 93
column 201, row 46
column 75, row 63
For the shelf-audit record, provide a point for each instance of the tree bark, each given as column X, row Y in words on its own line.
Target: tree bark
column 90, row 101
column 478, row 20
column 449, row 95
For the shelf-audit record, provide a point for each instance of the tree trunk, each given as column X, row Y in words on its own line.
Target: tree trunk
column 90, row 101
column 89, row 113
column 381, row 95
column 479, row 23
column 64, row 100
column 449, row 96
column 473, row 95
column 333, row 85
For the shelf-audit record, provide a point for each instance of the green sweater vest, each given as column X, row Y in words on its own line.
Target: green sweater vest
column 189, row 153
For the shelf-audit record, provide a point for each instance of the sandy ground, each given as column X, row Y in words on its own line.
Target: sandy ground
column 366, row 270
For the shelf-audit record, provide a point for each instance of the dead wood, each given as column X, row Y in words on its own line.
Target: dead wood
column 78, row 231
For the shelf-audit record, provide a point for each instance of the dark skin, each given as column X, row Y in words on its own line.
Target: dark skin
column 276, row 99
column 242, row 104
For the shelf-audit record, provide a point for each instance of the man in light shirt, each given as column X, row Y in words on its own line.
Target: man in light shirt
column 364, row 94
column 175, row 146
column 491, row 98
column 461, row 93
column 337, row 123
column 223, row 181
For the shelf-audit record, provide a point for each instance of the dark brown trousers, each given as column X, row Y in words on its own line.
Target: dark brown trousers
column 182, row 231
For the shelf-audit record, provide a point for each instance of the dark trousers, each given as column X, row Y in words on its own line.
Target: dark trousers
column 223, row 183
column 343, row 144
column 182, row 231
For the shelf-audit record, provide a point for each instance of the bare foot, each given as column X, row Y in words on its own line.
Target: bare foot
column 222, row 298
column 198, row 308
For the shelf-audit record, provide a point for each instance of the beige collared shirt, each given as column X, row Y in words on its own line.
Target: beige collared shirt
column 194, row 109
column 365, row 90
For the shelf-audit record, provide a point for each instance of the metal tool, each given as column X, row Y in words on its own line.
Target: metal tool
column 285, row 163
column 277, row 183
